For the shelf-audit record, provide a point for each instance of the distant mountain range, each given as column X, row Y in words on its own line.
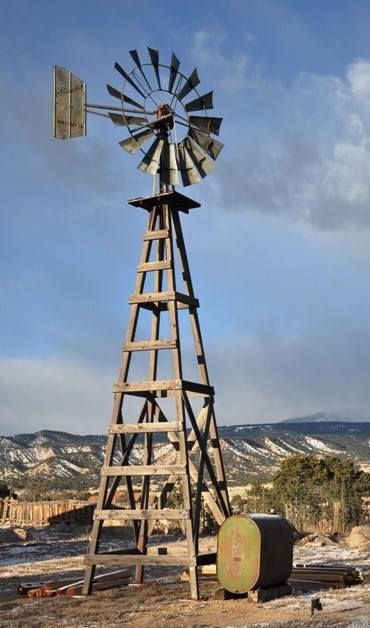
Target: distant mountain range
column 249, row 451
column 332, row 417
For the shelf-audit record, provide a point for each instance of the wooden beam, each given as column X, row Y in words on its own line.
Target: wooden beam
column 150, row 266
column 204, row 451
column 147, row 386
column 172, row 384
column 132, row 428
column 149, row 345
column 142, row 469
column 169, row 295
column 207, row 559
column 136, row 514
column 137, row 559
column 159, row 234
column 198, row 389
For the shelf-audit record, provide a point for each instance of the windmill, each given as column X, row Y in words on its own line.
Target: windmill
column 167, row 123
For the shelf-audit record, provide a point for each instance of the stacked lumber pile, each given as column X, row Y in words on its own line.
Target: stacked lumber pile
column 334, row 577
column 322, row 576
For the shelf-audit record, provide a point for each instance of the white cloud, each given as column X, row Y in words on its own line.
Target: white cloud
column 309, row 155
column 358, row 75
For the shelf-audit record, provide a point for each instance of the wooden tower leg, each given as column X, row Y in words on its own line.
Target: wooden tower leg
column 180, row 412
column 201, row 358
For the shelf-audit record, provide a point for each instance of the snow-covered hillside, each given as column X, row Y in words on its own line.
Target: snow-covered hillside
column 250, row 451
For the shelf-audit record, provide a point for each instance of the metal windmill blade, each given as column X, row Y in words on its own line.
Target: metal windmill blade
column 203, row 164
column 202, row 103
column 188, row 171
column 151, row 161
column 208, row 124
column 135, row 142
column 168, row 166
column 154, row 56
column 117, row 94
column 190, row 84
column 211, row 146
column 136, row 58
column 175, row 63
column 122, row 120
column 129, row 80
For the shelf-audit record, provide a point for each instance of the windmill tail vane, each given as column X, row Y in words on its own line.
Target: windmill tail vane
column 164, row 114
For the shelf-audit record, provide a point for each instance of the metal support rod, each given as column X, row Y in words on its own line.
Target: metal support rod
column 109, row 108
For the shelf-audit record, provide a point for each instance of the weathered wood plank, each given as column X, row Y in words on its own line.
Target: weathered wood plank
column 171, row 514
column 150, row 266
column 158, row 234
column 135, row 559
column 150, row 469
column 147, row 386
column 169, row 295
column 149, row 345
column 152, row 297
column 159, row 384
column 133, row 428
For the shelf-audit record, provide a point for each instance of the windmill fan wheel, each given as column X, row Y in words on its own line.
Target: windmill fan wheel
column 161, row 104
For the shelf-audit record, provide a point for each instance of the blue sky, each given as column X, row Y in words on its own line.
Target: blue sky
column 279, row 250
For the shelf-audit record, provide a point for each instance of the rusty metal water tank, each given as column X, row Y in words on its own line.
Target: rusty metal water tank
column 254, row 551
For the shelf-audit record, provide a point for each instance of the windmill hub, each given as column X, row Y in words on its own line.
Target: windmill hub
column 164, row 118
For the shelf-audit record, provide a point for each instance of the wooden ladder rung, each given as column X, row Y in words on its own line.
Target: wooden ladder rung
column 148, row 386
column 153, row 514
column 159, row 234
column 150, row 469
column 137, row 428
column 157, row 297
column 164, row 385
column 149, row 345
column 150, row 266
column 139, row 559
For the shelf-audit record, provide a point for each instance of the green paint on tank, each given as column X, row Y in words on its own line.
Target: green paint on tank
column 254, row 551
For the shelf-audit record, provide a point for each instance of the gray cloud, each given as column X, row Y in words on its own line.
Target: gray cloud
column 267, row 378
column 257, row 378
column 54, row 394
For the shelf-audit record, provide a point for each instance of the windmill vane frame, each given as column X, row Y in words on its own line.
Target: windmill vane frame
column 174, row 408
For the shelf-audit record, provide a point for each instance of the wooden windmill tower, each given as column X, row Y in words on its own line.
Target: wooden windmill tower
column 153, row 402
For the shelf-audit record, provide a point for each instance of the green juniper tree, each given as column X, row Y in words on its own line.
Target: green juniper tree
column 309, row 486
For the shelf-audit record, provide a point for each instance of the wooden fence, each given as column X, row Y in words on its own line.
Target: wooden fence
column 34, row 513
column 305, row 520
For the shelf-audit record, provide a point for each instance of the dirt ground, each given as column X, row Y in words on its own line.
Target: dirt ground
column 167, row 605
column 163, row 601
